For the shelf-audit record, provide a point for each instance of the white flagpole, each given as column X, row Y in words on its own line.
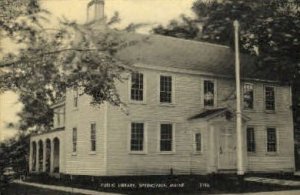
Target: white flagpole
column 240, row 163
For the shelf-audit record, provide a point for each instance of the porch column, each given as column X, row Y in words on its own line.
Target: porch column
column 37, row 157
column 212, row 152
column 44, row 156
column 30, row 156
column 52, row 156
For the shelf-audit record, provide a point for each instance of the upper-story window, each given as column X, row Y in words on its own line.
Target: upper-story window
column 250, row 139
column 271, row 140
column 165, row 89
column 166, row 137
column 93, row 137
column 75, row 98
column 209, row 91
column 58, row 117
column 74, row 139
column 269, row 98
column 137, row 86
column 137, row 137
column 248, row 96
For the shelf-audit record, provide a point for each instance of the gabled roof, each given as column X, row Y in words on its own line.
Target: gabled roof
column 207, row 113
column 173, row 52
column 212, row 113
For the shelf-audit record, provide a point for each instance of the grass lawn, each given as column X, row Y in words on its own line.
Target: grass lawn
column 17, row 189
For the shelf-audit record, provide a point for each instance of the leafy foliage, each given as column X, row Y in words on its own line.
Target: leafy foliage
column 52, row 60
column 269, row 30
column 15, row 152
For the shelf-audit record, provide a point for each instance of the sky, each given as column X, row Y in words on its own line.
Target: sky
column 152, row 12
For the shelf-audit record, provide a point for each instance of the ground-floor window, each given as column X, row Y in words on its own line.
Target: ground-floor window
column 271, row 140
column 250, row 139
column 166, row 137
column 74, row 139
column 198, row 143
column 93, row 137
column 137, row 137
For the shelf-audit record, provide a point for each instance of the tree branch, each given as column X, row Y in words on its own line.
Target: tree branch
column 3, row 65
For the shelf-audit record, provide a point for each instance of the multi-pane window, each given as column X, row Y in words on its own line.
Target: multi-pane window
column 271, row 140
column 208, row 93
column 58, row 117
column 248, row 96
column 137, row 137
column 165, row 89
column 166, row 137
column 250, row 139
column 93, row 137
column 270, row 98
column 198, row 142
column 74, row 139
column 137, row 86
column 75, row 98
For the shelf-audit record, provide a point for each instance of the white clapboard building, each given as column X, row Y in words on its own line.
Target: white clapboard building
column 179, row 118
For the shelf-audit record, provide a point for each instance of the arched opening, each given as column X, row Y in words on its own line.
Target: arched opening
column 48, row 155
column 33, row 159
column 56, row 155
column 40, row 157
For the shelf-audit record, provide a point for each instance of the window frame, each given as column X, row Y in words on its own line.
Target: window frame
column 173, row 80
column 143, row 101
column 58, row 119
column 145, row 137
column 75, row 100
column 276, row 140
column 265, row 98
column 91, row 138
column 74, row 140
column 253, row 96
column 173, row 143
column 253, row 141
column 203, row 93
column 195, row 142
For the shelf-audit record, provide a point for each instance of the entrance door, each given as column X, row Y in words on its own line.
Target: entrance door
column 227, row 149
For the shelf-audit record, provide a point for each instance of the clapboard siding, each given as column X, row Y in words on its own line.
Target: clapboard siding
column 113, row 157
column 84, row 162
column 188, row 101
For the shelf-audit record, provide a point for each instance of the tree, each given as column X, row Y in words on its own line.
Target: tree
column 14, row 152
column 270, row 32
column 52, row 60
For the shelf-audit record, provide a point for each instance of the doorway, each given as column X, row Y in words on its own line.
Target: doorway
column 227, row 149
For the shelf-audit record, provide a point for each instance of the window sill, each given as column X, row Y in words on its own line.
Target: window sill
column 249, row 110
column 167, row 153
column 92, row 153
column 198, row 153
column 251, row 153
column 167, row 104
column 209, row 107
column 74, row 153
column 75, row 109
column 137, row 153
column 270, row 111
column 137, row 102
column 272, row 154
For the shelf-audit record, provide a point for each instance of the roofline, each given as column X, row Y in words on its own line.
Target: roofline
column 47, row 132
column 58, row 104
column 188, row 40
column 197, row 72
column 222, row 110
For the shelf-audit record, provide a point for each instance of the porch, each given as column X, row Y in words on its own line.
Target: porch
column 219, row 129
column 46, row 152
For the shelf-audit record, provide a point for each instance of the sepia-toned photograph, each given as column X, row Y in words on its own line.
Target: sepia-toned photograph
column 149, row 97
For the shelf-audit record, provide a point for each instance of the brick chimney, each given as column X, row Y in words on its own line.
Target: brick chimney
column 95, row 10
